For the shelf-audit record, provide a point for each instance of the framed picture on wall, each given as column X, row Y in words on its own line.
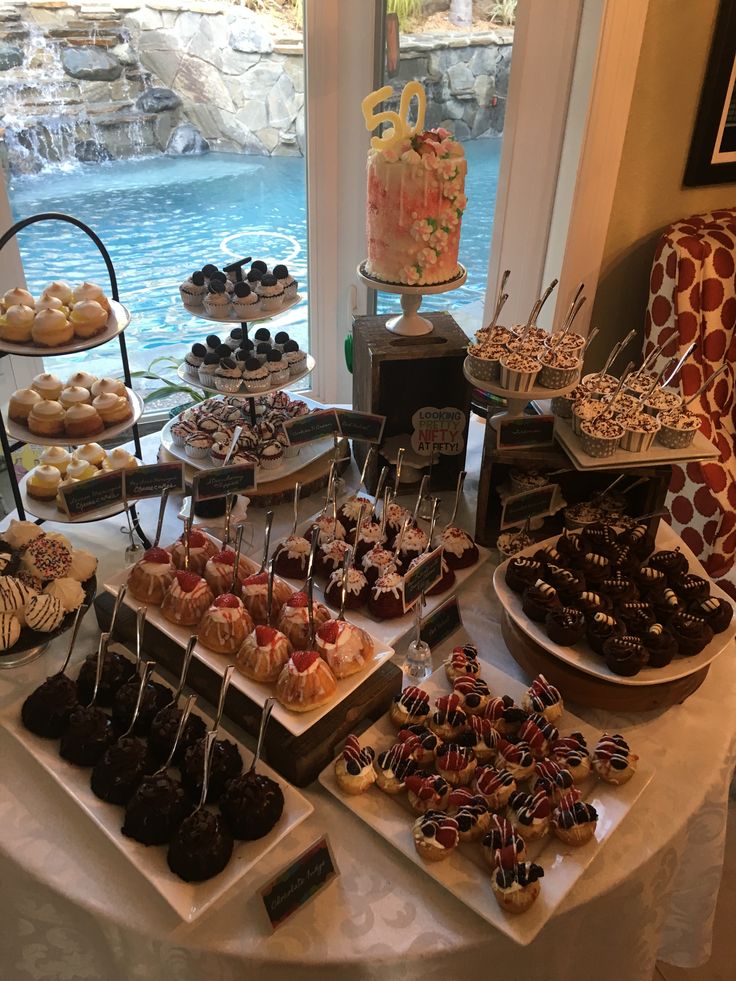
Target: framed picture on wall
column 712, row 157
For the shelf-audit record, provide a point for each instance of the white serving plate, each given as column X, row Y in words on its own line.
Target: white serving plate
column 195, row 382
column 700, row 449
column 465, row 873
column 189, row 900
column 48, row 511
column 18, row 431
column 296, row 722
column 583, row 658
column 390, row 631
column 201, row 313
column 117, row 321
column 536, row 392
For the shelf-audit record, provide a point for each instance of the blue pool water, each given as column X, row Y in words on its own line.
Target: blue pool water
column 162, row 217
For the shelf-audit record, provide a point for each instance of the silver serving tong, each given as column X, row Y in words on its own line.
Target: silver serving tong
column 359, row 526
column 500, row 301
column 269, row 594
column 266, row 541
column 310, row 609
column 346, row 565
column 187, row 532
column 189, row 650
column 148, row 667
column 185, row 713
column 265, row 718
column 140, row 620
column 537, row 308
column 458, row 491
column 589, row 340
column 73, row 637
column 382, row 478
column 366, row 463
column 676, row 370
column 236, row 563
column 649, row 359
column 297, row 494
column 209, row 745
column 161, row 512
column 706, row 384
column 399, row 462
column 101, row 648
column 575, row 309
column 432, row 522
column 420, row 497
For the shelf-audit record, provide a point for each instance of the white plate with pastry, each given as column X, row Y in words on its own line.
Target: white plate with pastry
column 188, row 900
column 117, row 321
column 465, row 872
column 21, row 431
column 581, row 656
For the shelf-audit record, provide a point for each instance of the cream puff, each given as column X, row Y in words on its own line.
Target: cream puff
column 113, row 409
column 42, row 483
column 573, row 820
column 108, row 386
column 571, row 752
column 91, row 291
column 51, row 328
column 516, row 757
column 457, row 764
column 52, row 303
column 46, row 418
column 393, row 767
column 56, row 456
column 48, row 386
column 495, row 786
column 410, row 706
column 613, row 761
column 59, row 289
column 21, row 403
column 501, row 845
column 87, row 318
column 544, row 699
column 516, row 889
column 427, row 791
column 90, row 453
column 449, row 720
column 83, row 420
column 82, row 379
column 354, row 770
column 18, row 297
column 16, row 324
column 435, row 835
column 74, row 395
column 530, row 814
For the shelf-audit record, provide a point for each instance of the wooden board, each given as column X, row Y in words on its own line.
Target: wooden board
column 583, row 689
column 298, row 758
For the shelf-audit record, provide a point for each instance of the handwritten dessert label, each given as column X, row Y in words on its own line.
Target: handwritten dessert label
column 526, row 431
column 438, row 430
column 93, row 494
column 303, row 429
column 221, row 481
column 529, row 504
column 361, row 425
column 422, row 577
column 153, row 480
column 440, row 623
column 299, row 882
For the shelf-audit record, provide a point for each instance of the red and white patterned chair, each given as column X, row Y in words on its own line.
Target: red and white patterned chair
column 693, row 297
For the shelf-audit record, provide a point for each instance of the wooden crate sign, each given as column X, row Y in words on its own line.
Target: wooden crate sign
column 438, row 430
column 529, row 504
column 526, row 431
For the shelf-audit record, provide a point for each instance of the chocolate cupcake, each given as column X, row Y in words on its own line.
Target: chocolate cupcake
column 595, row 568
column 692, row 634
column 201, row 846
column 251, row 805
column 569, row 584
column 548, row 555
column 590, row 602
column 637, row 616
column 638, row 540
column 87, row 736
column 666, row 603
column 117, row 774
column 716, row 612
column 522, row 572
column 649, row 580
column 571, row 548
column 225, row 764
column 671, row 562
column 623, row 560
column 47, row 709
column 619, row 588
column 601, row 627
column 539, row 600
column 625, row 656
column 660, row 645
column 565, row 626
column 691, row 588
column 117, row 670
column 599, row 538
column 156, row 809
column 164, row 728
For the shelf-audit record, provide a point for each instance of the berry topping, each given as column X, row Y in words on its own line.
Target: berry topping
column 329, row 631
column 197, row 539
column 298, row 600
column 259, row 579
column 226, row 557
column 188, row 581
column 265, row 636
column 227, row 600
column 303, row 660
column 159, row 555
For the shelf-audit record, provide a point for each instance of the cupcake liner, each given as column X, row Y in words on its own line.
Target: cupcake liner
column 193, row 300
column 675, row 439
column 297, row 367
column 246, row 310
column 517, row 381
column 272, row 302
column 197, row 452
column 291, row 451
column 227, row 385
column 556, row 377
column 177, row 440
column 562, row 407
column 257, row 386
column 191, row 370
column 636, row 441
column 206, row 379
column 271, row 464
column 599, row 446
column 484, row 368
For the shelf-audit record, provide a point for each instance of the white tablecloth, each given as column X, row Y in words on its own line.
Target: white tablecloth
column 70, row 908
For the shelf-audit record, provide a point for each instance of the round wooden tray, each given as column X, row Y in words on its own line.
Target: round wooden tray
column 584, row 689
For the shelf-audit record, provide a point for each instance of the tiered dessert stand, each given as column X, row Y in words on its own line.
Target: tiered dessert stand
column 516, row 402
column 410, row 323
column 117, row 322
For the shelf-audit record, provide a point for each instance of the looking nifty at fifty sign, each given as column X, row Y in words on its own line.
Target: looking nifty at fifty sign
column 438, row 431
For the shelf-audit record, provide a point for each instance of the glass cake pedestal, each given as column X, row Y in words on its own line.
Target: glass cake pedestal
column 410, row 323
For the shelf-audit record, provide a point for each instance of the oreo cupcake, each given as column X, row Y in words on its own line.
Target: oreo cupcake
column 255, row 376
column 217, row 302
column 227, row 376
column 278, row 369
column 286, row 281
column 245, row 301
column 208, row 369
column 193, row 359
column 295, row 358
column 193, row 290
column 271, row 293
column 280, row 340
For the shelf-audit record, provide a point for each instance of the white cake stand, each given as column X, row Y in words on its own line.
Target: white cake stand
column 410, row 323
column 516, row 402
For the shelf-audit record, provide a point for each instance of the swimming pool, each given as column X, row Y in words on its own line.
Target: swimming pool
column 161, row 217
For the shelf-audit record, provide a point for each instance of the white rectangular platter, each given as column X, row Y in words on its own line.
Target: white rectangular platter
column 583, row 658
column 465, row 873
column 296, row 722
column 188, row 899
column 390, row 631
column 700, row 449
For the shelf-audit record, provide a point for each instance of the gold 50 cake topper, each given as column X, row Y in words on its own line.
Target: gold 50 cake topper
column 400, row 128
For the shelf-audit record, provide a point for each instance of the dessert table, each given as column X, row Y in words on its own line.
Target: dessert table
column 72, row 908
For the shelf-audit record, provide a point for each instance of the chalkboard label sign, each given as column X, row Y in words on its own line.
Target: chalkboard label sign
column 303, row 429
column 93, row 494
column 422, row 577
column 361, row 425
column 441, row 623
column 526, row 431
column 299, row 882
column 529, row 504
column 221, row 481
column 153, row 480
